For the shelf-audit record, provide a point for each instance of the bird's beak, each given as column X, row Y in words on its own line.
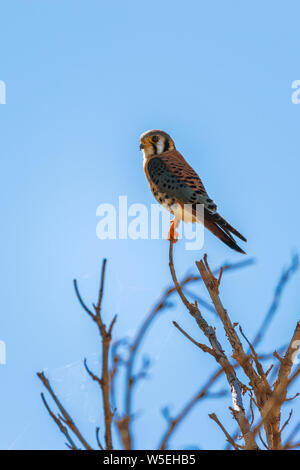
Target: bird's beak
column 142, row 146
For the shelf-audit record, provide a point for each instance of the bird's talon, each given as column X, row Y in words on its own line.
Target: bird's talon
column 172, row 235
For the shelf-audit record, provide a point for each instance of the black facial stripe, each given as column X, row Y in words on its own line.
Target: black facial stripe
column 154, row 148
column 167, row 145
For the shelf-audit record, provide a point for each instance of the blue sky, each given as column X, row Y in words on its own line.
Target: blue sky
column 84, row 80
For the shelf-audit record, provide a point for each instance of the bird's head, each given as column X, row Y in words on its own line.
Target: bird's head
column 155, row 142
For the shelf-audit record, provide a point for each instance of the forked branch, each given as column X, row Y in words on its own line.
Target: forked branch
column 238, row 410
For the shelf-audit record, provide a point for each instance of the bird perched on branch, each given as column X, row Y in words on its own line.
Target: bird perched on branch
column 177, row 186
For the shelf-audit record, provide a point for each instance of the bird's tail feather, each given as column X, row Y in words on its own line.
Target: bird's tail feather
column 221, row 229
column 227, row 227
column 215, row 223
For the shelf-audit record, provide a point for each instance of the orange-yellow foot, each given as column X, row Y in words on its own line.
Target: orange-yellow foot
column 172, row 235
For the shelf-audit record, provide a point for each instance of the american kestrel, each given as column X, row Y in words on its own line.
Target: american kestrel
column 175, row 184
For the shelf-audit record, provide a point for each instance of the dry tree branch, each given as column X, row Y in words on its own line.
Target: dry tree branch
column 105, row 335
column 173, row 423
column 214, row 417
column 160, row 305
column 271, row 410
column 261, row 357
column 262, row 441
column 236, row 387
column 116, row 361
column 292, row 446
column 293, row 397
column 203, row 347
column 107, row 376
column 287, row 421
column 64, row 417
column 98, row 438
column 282, row 283
column 283, row 380
column 238, row 351
column 60, row 425
column 288, row 444
column 124, row 422
column 268, row 402
column 104, row 381
column 285, row 277
column 258, row 380
column 265, row 397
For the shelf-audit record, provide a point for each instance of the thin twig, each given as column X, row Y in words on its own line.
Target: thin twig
column 287, row 421
column 60, row 425
column 203, row 347
column 263, row 442
column 98, row 439
column 282, row 283
column 65, row 415
column 214, row 417
column 173, row 423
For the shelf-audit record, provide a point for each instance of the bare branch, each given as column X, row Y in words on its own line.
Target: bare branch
column 263, row 442
column 60, row 425
column 282, row 283
column 173, row 423
column 213, row 416
column 288, row 444
column 124, row 431
column 203, row 347
column 238, row 410
column 275, row 354
column 269, row 370
column 287, row 421
column 98, row 439
column 93, row 376
column 293, row 397
column 258, row 365
column 100, row 297
column 270, row 412
column 81, row 301
column 268, row 400
column 161, row 305
column 258, row 381
column 66, row 417
column 104, row 381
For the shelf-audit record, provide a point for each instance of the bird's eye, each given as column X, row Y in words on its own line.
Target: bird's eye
column 155, row 138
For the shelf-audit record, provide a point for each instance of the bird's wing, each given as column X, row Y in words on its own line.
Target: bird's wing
column 174, row 176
